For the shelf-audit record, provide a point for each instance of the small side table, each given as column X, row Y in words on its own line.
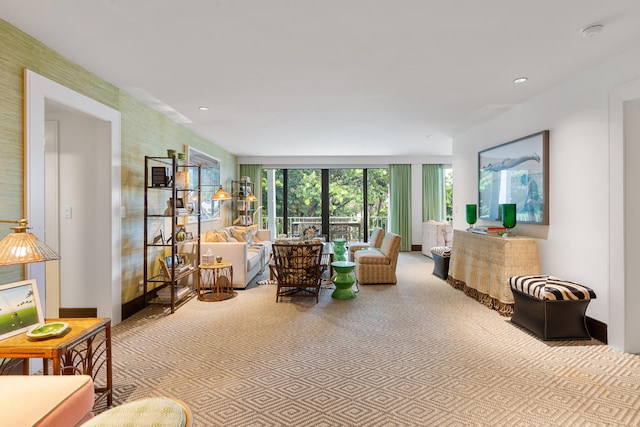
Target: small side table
column 339, row 249
column 343, row 279
column 215, row 282
column 85, row 348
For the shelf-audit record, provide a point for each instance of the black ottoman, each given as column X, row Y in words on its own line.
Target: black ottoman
column 441, row 258
column 551, row 308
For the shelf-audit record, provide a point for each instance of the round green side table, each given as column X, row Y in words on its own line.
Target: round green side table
column 343, row 279
column 339, row 249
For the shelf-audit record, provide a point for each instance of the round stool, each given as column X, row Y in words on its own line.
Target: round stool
column 343, row 279
column 152, row 411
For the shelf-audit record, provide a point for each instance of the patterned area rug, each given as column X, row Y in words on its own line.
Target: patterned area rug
column 416, row 354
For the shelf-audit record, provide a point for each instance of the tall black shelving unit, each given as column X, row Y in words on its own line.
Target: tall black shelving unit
column 171, row 188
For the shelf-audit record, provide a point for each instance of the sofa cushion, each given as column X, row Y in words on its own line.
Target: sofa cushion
column 367, row 256
column 215, row 236
column 244, row 234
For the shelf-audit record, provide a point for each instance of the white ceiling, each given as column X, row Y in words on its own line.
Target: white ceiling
column 331, row 77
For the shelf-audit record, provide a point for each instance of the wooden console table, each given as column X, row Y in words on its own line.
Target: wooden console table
column 84, row 349
column 481, row 265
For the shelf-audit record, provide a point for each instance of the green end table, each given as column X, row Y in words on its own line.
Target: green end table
column 343, row 279
column 339, row 249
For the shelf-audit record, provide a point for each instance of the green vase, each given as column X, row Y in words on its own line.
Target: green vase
column 472, row 215
column 508, row 211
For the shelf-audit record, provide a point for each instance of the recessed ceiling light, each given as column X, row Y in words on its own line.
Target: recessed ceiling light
column 203, row 108
column 428, row 136
column 592, row 31
column 520, row 80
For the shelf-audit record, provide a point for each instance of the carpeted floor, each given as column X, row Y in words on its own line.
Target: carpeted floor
column 416, row 354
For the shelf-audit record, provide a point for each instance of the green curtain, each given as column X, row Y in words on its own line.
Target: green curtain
column 433, row 193
column 253, row 172
column 400, row 204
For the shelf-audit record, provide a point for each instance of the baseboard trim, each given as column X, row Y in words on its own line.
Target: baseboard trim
column 597, row 329
column 132, row 307
column 78, row 312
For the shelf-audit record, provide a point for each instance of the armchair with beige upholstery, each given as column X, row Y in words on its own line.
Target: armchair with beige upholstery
column 375, row 241
column 434, row 234
column 379, row 267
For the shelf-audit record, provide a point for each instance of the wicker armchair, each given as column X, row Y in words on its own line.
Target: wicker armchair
column 297, row 269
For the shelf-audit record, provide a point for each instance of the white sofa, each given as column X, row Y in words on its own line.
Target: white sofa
column 247, row 258
column 435, row 233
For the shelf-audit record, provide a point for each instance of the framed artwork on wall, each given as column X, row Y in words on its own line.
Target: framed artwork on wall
column 20, row 308
column 210, row 176
column 516, row 172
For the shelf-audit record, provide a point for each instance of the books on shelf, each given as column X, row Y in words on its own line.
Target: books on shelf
column 164, row 295
column 488, row 230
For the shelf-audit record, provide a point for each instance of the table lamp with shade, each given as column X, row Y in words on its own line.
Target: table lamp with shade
column 22, row 247
column 221, row 194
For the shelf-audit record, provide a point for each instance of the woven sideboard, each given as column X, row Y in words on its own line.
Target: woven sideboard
column 481, row 266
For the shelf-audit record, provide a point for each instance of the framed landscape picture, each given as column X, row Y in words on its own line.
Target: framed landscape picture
column 516, row 172
column 20, row 308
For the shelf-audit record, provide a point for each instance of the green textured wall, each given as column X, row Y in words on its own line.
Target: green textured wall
column 144, row 132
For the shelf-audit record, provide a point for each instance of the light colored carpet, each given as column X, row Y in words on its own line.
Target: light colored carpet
column 416, row 354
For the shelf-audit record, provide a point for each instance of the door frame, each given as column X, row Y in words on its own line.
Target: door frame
column 38, row 89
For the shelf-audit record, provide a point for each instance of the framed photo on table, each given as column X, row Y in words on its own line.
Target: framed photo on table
column 20, row 308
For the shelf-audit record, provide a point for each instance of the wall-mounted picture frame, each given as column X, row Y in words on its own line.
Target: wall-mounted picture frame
column 210, row 180
column 516, row 172
column 20, row 308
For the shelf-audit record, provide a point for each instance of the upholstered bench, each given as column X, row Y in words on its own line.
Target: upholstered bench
column 441, row 256
column 148, row 412
column 551, row 308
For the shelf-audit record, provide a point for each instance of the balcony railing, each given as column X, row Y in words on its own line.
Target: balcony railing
column 339, row 227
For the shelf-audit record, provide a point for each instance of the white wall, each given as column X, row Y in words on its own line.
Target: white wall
column 84, row 188
column 575, row 245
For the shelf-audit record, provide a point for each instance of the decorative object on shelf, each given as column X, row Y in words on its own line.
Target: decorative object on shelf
column 182, row 156
column 171, row 153
column 508, row 211
column 221, row 195
column 218, row 259
column 472, row 216
column 159, row 176
column 22, row 247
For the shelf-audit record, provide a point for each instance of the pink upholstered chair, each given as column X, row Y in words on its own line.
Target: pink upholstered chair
column 375, row 241
column 379, row 267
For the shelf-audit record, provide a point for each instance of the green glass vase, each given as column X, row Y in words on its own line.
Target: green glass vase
column 508, row 211
column 472, row 215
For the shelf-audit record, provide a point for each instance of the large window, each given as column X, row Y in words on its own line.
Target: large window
column 345, row 202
